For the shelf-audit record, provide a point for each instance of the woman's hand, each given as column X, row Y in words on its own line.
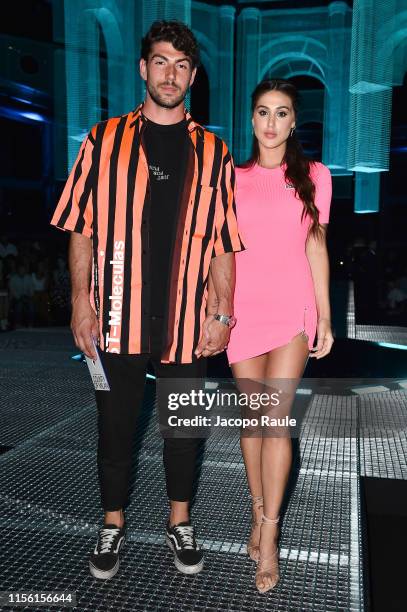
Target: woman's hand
column 325, row 339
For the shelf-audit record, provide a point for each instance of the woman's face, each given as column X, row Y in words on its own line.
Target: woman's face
column 273, row 118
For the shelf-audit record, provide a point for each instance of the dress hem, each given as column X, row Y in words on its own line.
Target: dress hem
column 279, row 345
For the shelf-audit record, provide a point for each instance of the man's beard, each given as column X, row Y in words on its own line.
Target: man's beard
column 161, row 100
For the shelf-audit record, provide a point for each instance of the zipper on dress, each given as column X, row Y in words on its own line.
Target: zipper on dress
column 304, row 335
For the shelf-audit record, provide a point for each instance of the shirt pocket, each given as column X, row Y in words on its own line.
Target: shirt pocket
column 205, row 211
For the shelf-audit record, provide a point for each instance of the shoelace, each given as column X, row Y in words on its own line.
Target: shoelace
column 186, row 533
column 106, row 539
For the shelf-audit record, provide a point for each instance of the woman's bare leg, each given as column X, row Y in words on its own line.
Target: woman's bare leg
column 246, row 373
column 285, row 366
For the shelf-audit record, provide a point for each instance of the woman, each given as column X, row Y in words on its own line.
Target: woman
column 281, row 297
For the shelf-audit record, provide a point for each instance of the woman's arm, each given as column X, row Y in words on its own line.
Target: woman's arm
column 317, row 254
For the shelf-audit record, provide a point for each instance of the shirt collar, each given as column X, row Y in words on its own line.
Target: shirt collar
column 139, row 118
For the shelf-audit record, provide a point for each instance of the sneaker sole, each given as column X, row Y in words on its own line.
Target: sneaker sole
column 181, row 567
column 105, row 574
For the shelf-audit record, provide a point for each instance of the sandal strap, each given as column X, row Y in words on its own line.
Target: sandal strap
column 272, row 558
column 256, row 500
column 269, row 521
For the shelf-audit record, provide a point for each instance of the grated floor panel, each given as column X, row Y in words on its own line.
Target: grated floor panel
column 382, row 333
column 49, row 499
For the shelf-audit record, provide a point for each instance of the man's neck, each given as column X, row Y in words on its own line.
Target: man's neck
column 161, row 115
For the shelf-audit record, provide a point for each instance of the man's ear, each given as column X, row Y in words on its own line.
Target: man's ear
column 192, row 79
column 143, row 69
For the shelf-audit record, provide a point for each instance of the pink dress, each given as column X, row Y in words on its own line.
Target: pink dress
column 274, row 295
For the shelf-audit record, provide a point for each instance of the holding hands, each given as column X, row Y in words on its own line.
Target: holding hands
column 214, row 338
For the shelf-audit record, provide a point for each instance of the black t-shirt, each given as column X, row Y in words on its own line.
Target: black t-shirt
column 166, row 150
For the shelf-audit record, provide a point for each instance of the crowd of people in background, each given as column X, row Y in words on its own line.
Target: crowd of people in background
column 34, row 285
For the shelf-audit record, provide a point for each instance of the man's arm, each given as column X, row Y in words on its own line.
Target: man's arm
column 221, row 287
column 223, row 272
column 221, row 282
column 84, row 323
column 212, row 301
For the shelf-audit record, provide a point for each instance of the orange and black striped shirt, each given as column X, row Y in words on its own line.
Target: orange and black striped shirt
column 107, row 198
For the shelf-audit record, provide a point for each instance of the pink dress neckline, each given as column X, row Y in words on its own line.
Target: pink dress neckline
column 256, row 168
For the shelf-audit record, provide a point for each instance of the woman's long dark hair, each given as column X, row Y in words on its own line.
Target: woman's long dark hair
column 297, row 172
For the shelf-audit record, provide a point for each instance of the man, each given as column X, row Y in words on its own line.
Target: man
column 150, row 206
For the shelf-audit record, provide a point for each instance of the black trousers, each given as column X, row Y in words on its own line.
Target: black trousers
column 118, row 410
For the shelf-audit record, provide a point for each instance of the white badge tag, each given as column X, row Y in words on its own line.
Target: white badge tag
column 97, row 372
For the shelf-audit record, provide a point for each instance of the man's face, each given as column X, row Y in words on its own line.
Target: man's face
column 168, row 74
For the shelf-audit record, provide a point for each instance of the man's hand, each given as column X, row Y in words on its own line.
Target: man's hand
column 84, row 325
column 214, row 338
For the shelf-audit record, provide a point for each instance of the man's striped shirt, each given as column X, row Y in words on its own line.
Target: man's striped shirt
column 107, row 198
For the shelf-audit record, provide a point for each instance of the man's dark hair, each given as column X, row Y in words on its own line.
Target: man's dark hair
column 174, row 32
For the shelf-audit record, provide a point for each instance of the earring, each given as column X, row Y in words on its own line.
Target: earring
column 292, row 131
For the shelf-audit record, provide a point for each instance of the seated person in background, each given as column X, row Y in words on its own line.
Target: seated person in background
column 40, row 286
column 6, row 247
column 395, row 297
column 60, row 293
column 21, row 292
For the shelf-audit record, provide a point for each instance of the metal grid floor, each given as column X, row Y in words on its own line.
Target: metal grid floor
column 382, row 333
column 50, row 503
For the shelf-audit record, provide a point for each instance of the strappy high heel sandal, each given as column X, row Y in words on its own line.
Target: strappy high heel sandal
column 253, row 550
column 268, row 568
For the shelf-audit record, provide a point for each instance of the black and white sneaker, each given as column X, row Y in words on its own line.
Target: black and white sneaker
column 104, row 561
column 188, row 557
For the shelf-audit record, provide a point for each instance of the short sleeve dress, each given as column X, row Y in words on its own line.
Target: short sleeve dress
column 274, row 295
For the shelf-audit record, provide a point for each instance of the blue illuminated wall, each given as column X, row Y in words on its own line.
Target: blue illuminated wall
column 121, row 23
column 214, row 29
column 291, row 42
column 378, row 61
column 85, row 23
column 357, row 57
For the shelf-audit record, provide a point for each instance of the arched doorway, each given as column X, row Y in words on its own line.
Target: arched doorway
column 310, row 116
column 200, row 97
